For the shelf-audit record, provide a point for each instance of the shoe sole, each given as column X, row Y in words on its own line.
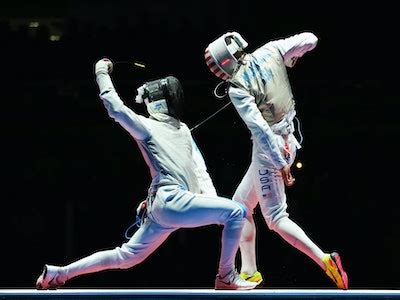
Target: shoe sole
column 336, row 259
column 260, row 283
column 237, row 288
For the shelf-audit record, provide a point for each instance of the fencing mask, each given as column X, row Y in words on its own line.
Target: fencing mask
column 222, row 55
column 162, row 96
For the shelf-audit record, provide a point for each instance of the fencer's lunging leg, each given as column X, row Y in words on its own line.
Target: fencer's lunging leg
column 294, row 235
column 274, row 210
column 148, row 238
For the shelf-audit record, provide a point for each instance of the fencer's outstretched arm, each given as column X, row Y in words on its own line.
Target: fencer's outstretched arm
column 205, row 182
column 115, row 107
column 294, row 46
column 247, row 108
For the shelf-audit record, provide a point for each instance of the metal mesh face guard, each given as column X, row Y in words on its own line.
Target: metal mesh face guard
column 222, row 54
column 156, row 90
column 168, row 89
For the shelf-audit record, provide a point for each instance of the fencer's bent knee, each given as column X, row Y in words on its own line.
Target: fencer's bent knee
column 240, row 212
column 245, row 204
column 243, row 209
column 234, row 219
column 274, row 225
column 275, row 215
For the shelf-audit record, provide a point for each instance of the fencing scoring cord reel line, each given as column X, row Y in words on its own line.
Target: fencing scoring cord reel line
column 218, row 96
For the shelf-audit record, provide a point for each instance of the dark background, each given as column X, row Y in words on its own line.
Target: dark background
column 71, row 177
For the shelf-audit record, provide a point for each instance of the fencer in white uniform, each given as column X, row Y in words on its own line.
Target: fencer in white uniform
column 181, row 194
column 259, row 88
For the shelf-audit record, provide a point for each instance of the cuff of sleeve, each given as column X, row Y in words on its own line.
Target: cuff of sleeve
column 104, row 82
column 280, row 164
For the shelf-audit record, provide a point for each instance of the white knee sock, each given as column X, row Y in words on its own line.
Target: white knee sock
column 248, row 246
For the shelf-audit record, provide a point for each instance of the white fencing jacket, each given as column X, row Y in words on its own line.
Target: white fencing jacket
column 167, row 147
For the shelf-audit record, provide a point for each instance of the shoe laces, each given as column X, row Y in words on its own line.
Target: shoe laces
column 232, row 277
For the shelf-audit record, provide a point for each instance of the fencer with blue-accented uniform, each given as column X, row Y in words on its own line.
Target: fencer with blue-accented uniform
column 181, row 193
column 259, row 88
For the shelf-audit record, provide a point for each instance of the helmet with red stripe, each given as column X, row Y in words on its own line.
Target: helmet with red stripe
column 222, row 55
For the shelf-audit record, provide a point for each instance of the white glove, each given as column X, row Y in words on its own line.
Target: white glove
column 103, row 66
column 140, row 93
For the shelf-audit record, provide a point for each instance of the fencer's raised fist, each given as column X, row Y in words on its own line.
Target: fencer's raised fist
column 103, row 66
